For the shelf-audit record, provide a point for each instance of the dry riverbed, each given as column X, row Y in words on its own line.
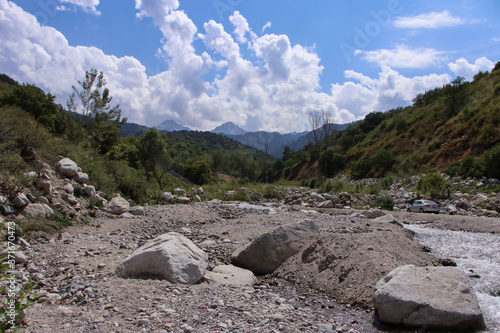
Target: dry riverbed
column 326, row 288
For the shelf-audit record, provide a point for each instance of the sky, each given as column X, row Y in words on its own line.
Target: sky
column 264, row 65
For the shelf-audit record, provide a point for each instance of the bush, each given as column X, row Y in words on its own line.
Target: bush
column 433, row 185
column 385, row 202
column 492, row 162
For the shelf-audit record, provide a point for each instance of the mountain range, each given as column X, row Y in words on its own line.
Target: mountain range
column 271, row 142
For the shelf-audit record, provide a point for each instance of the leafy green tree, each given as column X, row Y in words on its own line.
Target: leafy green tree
column 432, row 184
column 361, row 168
column 198, row 172
column 100, row 120
column 382, row 162
column 334, row 162
column 126, row 150
column 492, row 162
column 42, row 106
column 153, row 154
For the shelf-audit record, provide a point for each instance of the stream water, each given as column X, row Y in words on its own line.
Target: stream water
column 479, row 255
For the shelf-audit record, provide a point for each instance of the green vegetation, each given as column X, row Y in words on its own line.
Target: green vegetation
column 433, row 185
column 453, row 128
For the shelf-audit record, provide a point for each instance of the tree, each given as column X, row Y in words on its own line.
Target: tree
column 322, row 127
column 153, row 155
column 98, row 118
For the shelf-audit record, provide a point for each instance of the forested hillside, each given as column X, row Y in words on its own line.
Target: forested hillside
column 454, row 128
column 134, row 166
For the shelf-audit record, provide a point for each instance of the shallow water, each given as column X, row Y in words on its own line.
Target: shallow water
column 479, row 255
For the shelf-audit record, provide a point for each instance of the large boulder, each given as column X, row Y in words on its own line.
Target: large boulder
column 81, row 177
column 170, row 256
column 373, row 213
column 271, row 249
column 20, row 200
column 38, row 210
column 67, row 167
column 118, row 206
column 439, row 298
column 231, row 275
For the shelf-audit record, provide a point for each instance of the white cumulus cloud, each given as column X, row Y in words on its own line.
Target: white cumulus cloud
column 431, row 20
column 273, row 90
column 403, row 57
column 86, row 5
column 389, row 90
column 462, row 67
column 241, row 26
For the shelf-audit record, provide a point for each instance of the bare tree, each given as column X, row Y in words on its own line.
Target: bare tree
column 321, row 123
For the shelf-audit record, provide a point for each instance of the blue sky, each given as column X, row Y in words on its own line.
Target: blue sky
column 261, row 64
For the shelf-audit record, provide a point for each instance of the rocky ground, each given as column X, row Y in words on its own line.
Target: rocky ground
column 326, row 288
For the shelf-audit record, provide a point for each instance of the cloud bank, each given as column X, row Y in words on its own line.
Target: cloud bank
column 431, row 20
column 274, row 90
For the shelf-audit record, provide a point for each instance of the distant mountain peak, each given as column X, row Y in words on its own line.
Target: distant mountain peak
column 171, row 126
column 229, row 128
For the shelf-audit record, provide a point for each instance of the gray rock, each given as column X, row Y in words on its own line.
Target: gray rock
column 19, row 257
column 7, row 210
column 20, row 200
column 67, row 167
column 45, row 186
column 89, row 190
column 118, row 205
column 64, row 236
column 180, row 192
column 126, row 215
column 456, row 196
column 38, row 211
column 386, row 219
column 170, row 256
column 167, row 196
column 357, row 216
column 68, row 188
column 271, row 249
column 231, row 275
column 69, row 199
column 316, row 197
column 200, row 192
column 81, row 177
column 373, row 213
column 138, row 211
column 438, row 298
column 326, row 204
column 183, row 200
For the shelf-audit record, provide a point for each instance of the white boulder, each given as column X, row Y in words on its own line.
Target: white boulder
column 38, row 210
column 268, row 251
column 170, row 256
column 20, row 200
column 433, row 298
column 81, row 177
column 118, row 206
column 231, row 275
column 67, row 167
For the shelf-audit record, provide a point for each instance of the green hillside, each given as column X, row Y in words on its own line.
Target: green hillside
column 455, row 128
column 134, row 166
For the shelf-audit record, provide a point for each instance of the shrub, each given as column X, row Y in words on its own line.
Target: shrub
column 492, row 162
column 241, row 195
column 433, row 185
column 385, row 202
